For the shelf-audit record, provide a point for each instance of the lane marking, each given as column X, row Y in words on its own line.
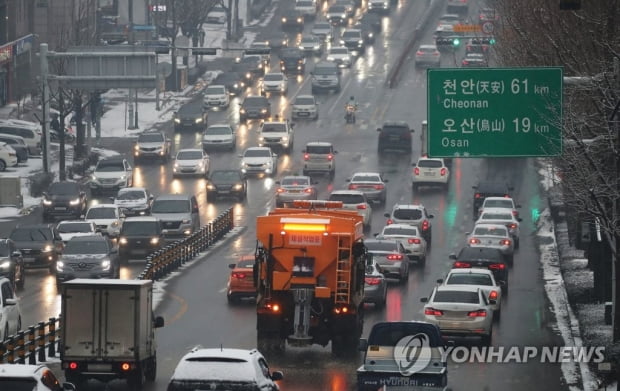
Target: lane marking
column 180, row 312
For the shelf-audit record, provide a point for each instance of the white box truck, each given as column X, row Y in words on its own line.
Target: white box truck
column 108, row 331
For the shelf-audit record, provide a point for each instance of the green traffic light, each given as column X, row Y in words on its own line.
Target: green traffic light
column 492, row 41
column 456, row 42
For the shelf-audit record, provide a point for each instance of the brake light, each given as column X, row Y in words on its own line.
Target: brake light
column 352, row 187
column 515, row 213
column 330, row 157
column 461, row 265
column 505, row 242
column 465, row 62
column 474, row 241
column 443, row 171
column 342, row 310
column 477, row 314
column 436, row 53
column 419, row 53
column 511, row 225
column 280, row 190
column 306, row 156
column 506, row 196
column 395, row 257
column 378, row 187
column 73, row 365
column 308, row 190
column 372, row 280
column 497, row 266
column 416, row 171
column 477, row 195
column 240, row 276
column 425, row 225
column 390, row 221
column 414, row 241
column 361, row 206
column 125, row 366
column 273, row 307
column 432, row 312
column 493, row 295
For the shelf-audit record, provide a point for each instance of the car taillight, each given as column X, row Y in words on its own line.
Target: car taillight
column 474, row 241
column 414, row 241
column 436, row 53
column 425, row 225
column 477, row 195
column 419, row 53
column 461, row 265
column 330, row 157
column 372, row 280
column 443, row 171
column 352, row 187
column 493, row 295
column 506, row 196
column 378, row 187
column 280, row 190
column 273, row 307
column 361, row 206
column 306, row 156
column 511, row 225
column 240, row 276
column 432, row 312
column 465, row 62
column 73, row 365
column 395, row 257
column 308, row 190
column 416, row 171
column 477, row 314
column 515, row 213
column 497, row 266
column 390, row 221
column 505, row 242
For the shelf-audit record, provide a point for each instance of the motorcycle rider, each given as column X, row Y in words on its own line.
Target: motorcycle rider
column 349, row 109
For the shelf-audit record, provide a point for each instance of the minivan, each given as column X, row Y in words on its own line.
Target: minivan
column 30, row 131
column 325, row 76
column 178, row 214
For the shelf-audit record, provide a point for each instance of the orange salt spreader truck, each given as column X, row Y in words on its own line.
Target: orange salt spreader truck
column 309, row 276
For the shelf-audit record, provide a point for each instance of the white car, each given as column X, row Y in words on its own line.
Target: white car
column 277, row 134
column 500, row 202
column 428, row 55
column 411, row 239
column 323, row 30
column 191, row 162
column 10, row 313
column 107, row 218
column 483, row 279
column 134, row 201
column 305, row 106
column 68, row 229
column 8, row 156
column 310, row 45
column 429, row 172
column 217, row 15
column 460, row 310
column 340, row 55
column 219, row 136
column 502, row 216
column 276, row 83
column 354, row 200
column 31, row 377
column 306, row 7
column 494, row 236
column 259, row 160
column 216, row 96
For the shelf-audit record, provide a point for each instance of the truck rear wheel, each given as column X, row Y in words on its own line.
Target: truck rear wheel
column 271, row 343
column 137, row 380
column 151, row 370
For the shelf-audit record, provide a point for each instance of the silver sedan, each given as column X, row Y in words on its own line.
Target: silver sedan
column 370, row 183
column 294, row 188
column 191, row 162
column 410, row 237
column 494, row 236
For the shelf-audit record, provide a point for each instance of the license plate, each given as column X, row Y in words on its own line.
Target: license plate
column 60, row 208
column 429, row 174
column 224, row 191
column 100, row 367
column 29, row 259
column 303, row 114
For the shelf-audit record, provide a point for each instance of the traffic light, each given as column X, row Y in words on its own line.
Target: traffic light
column 456, row 42
column 570, row 5
column 204, row 51
column 483, row 41
column 447, row 41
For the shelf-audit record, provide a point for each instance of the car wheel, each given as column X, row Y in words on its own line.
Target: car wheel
column 422, row 261
column 232, row 299
column 6, row 332
column 497, row 315
column 2, row 165
column 517, row 243
column 381, row 303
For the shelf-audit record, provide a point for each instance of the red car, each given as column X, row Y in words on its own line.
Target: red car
column 241, row 280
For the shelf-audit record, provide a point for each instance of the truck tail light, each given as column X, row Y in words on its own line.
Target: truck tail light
column 493, row 295
column 273, row 307
column 306, row 156
column 125, row 366
column 395, row 257
column 477, row 314
column 477, row 195
column 461, row 265
column 474, row 241
column 497, row 266
column 73, row 365
column 361, row 206
column 341, row 310
column 238, row 275
column 372, row 280
column 432, row 312
column 416, row 171
column 280, row 190
column 443, row 171
column 414, row 241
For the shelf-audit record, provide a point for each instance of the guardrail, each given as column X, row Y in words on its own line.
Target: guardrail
column 39, row 342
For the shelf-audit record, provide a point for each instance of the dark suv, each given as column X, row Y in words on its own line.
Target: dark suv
column 395, row 135
column 483, row 258
column 254, row 107
column 12, row 263
column 64, row 199
column 93, row 256
column 489, row 189
column 40, row 244
column 139, row 237
column 292, row 60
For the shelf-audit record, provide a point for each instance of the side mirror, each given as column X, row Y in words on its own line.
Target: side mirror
column 114, row 250
column 232, row 265
column 362, row 346
column 10, row 301
column 277, row 182
column 303, row 151
column 277, row 375
column 292, row 125
column 122, row 215
column 474, row 187
column 424, row 300
column 151, row 197
column 378, row 129
column 413, row 164
column 44, row 194
column 348, row 180
column 335, row 152
column 386, row 180
column 412, row 130
column 517, row 206
column 431, row 216
column 519, row 219
column 82, row 194
column 440, row 280
column 467, row 233
column 16, row 254
column 111, row 199
column 68, row 387
column 386, row 215
column 315, row 182
column 376, row 235
column 452, row 256
column 159, row 322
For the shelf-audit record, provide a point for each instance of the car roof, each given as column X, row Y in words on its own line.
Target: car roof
column 190, row 150
column 113, row 158
column 127, row 189
column 396, row 123
column 401, row 226
column 430, row 158
column 317, row 143
column 488, row 225
column 73, row 222
column 99, row 206
column 89, row 238
column 241, row 354
column 498, row 198
column 365, row 173
column 36, row 226
column 497, row 210
column 434, row 47
column 408, row 206
column 393, row 241
column 258, row 148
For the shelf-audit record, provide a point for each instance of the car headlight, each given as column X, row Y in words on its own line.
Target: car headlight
column 198, row 120
column 48, row 248
column 74, row 202
column 283, row 20
column 122, row 178
column 210, row 187
column 317, row 47
column 60, row 266
column 370, row 35
column 136, row 147
column 285, row 138
column 114, row 224
column 342, row 42
column 122, row 240
column 177, row 120
column 248, row 75
column 238, row 186
column 360, row 42
column 330, row 58
column 261, row 138
column 106, row 264
column 263, row 111
column 93, row 177
column 242, row 111
column 154, row 240
column 186, row 221
column 299, row 20
column 48, row 202
column 5, row 265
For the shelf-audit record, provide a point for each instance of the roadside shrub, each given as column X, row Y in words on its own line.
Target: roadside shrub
column 39, row 183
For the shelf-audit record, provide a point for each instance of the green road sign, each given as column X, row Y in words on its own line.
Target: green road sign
column 494, row 112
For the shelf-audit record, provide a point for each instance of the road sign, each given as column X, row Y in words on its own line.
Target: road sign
column 467, row 28
column 488, row 27
column 502, row 112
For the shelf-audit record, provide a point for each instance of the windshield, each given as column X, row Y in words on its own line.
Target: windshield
column 427, row 163
column 401, row 231
column 170, row 206
column 218, row 130
column 150, row 138
column 257, row 153
column 350, row 34
column 381, row 246
column 304, row 101
column 214, row 91
column 337, row 9
column 456, row 297
column 67, row 188
column 131, row 195
column 17, row 384
column 101, row 213
column 273, row 77
column 321, row 26
column 295, row 181
column 4, row 249
column 491, row 231
column 134, row 228
column 339, row 51
column 469, row 279
column 308, row 40
column 82, row 227
column 31, row 234
column 503, row 203
column 274, row 128
column 366, row 178
column 86, row 247
column 110, row 167
column 189, row 155
column 305, row 4
column 407, row 214
column 319, row 149
column 325, row 70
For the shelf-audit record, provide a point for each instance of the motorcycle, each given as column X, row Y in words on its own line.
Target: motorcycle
column 349, row 114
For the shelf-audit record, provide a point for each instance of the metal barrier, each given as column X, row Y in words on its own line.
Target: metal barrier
column 39, row 342
column 167, row 259
column 33, row 345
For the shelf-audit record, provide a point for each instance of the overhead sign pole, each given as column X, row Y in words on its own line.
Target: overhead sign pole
column 46, row 108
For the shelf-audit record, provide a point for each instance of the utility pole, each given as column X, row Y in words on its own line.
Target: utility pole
column 62, row 164
column 46, row 108
column 614, row 123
